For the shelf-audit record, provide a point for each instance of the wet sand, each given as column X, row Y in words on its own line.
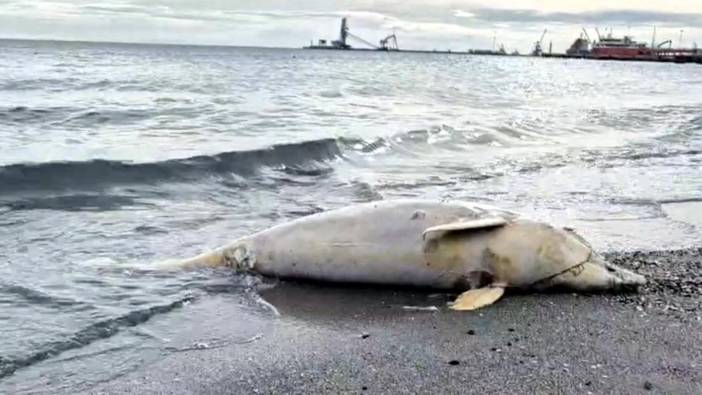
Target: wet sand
column 360, row 340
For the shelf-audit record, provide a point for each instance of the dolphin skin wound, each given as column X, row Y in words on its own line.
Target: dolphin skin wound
column 478, row 249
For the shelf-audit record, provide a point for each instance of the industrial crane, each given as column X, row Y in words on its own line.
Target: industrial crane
column 345, row 34
column 355, row 37
column 537, row 46
column 669, row 43
column 389, row 43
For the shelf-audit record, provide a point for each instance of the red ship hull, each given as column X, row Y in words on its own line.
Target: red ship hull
column 621, row 53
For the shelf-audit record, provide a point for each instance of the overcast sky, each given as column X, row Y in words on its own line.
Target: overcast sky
column 425, row 24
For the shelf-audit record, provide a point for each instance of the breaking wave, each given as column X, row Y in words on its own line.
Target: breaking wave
column 96, row 174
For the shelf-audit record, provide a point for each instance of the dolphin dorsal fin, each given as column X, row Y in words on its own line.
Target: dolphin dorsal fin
column 467, row 224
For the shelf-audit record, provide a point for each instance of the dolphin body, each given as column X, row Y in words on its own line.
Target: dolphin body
column 446, row 245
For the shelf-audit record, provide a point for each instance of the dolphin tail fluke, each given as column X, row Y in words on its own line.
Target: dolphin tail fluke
column 237, row 255
column 208, row 259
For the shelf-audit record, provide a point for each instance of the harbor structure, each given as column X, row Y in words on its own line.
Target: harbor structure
column 388, row 43
column 608, row 47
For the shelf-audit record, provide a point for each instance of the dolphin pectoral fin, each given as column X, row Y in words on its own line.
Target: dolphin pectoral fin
column 481, row 223
column 477, row 298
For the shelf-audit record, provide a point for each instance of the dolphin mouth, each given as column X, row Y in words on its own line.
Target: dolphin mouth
column 622, row 279
column 594, row 275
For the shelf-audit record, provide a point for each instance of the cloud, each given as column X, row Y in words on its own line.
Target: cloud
column 420, row 24
column 591, row 17
column 463, row 14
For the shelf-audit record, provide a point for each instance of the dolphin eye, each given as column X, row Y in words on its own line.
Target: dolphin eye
column 610, row 269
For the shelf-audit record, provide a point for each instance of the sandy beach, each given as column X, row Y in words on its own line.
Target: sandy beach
column 358, row 340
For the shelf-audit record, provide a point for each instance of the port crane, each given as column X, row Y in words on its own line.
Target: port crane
column 599, row 36
column 389, row 43
column 537, row 46
column 355, row 37
column 669, row 43
column 345, row 34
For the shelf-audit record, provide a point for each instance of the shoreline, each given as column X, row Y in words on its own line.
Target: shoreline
column 337, row 339
column 477, row 52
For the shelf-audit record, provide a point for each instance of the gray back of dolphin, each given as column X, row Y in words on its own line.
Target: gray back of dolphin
column 380, row 242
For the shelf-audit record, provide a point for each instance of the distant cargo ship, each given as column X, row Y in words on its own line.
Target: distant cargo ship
column 626, row 48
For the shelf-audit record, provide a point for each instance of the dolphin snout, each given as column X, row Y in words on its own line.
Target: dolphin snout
column 625, row 279
column 620, row 278
column 597, row 275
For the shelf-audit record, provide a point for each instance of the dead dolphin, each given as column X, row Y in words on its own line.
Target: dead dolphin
column 448, row 245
